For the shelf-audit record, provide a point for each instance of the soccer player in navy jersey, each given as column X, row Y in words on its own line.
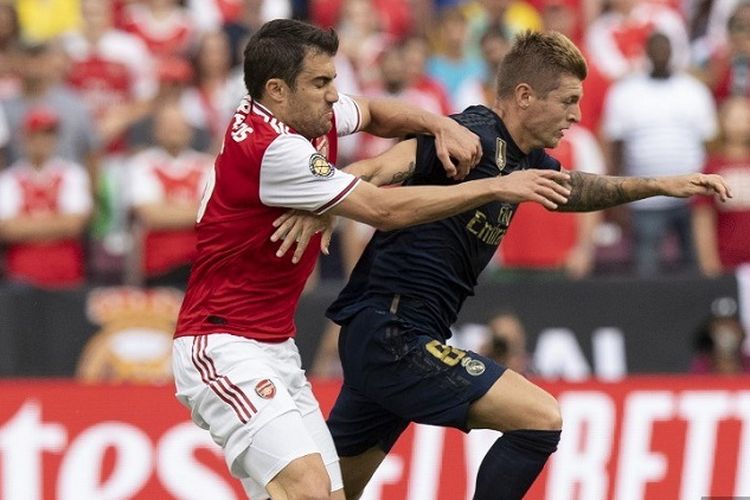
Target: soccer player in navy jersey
column 409, row 285
column 235, row 361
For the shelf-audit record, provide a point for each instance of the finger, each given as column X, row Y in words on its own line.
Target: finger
column 561, row 189
column 283, row 230
column 282, row 218
column 477, row 152
column 302, row 243
column 445, row 159
column 289, row 240
column 553, row 196
column 546, row 203
column 462, row 170
column 325, row 240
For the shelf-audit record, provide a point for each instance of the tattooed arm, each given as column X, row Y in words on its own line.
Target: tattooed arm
column 595, row 192
column 392, row 167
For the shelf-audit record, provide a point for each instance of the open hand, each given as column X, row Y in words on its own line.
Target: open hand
column 296, row 226
column 683, row 186
column 549, row 188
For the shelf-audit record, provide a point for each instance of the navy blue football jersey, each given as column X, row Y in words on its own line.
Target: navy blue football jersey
column 436, row 265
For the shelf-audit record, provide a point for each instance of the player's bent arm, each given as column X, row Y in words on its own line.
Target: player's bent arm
column 595, row 192
column 392, row 167
column 392, row 118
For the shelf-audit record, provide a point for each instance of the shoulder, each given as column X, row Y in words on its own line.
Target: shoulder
column 476, row 118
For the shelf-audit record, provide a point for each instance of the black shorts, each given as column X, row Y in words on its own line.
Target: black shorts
column 395, row 373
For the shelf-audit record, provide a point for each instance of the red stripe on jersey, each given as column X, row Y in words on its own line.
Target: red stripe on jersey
column 220, row 384
column 337, row 199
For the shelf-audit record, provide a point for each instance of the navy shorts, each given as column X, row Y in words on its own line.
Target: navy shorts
column 396, row 373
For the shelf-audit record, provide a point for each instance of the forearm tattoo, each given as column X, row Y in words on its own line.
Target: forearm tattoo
column 399, row 177
column 594, row 192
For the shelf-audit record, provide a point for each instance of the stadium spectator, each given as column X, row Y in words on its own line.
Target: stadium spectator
column 506, row 342
column 665, row 134
column 719, row 342
column 722, row 230
column 481, row 90
column 362, row 38
column 210, row 101
column 175, row 80
column 452, row 64
column 512, row 16
column 616, row 40
column 166, row 182
column 45, row 202
column 416, row 53
column 77, row 138
column 112, row 70
column 727, row 66
column 164, row 26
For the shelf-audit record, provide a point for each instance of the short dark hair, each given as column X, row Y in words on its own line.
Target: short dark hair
column 278, row 49
column 539, row 59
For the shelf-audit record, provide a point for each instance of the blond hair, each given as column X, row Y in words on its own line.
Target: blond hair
column 539, row 59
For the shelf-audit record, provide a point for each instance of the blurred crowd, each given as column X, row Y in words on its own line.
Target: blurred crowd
column 112, row 111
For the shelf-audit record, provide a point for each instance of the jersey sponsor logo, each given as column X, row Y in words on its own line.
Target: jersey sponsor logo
column 265, row 389
column 500, row 148
column 491, row 234
column 319, row 166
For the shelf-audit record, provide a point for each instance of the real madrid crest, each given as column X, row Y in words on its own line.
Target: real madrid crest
column 500, row 154
column 319, row 166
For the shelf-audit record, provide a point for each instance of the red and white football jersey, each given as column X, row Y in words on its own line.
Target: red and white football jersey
column 58, row 188
column 158, row 177
column 117, row 70
column 237, row 284
column 170, row 36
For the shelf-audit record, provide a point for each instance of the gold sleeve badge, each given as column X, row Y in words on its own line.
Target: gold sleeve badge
column 319, row 166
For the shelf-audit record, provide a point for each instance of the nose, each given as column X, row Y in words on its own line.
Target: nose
column 332, row 95
column 575, row 114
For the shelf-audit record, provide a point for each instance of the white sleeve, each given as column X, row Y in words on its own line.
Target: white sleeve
column 294, row 175
column 10, row 197
column 348, row 115
column 75, row 195
column 145, row 188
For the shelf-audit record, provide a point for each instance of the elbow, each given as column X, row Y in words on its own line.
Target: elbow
column 386, row 220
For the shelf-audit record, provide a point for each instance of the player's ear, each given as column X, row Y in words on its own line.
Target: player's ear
column 523, row 94
column 276, row 89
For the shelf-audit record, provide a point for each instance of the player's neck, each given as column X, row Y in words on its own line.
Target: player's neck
column 513, row 124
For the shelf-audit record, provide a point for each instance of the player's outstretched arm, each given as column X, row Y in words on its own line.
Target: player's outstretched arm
column 389, row 209
column 392, row 118
column 595, row 192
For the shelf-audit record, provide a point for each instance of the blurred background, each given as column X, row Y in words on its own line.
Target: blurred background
column 111, row 112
